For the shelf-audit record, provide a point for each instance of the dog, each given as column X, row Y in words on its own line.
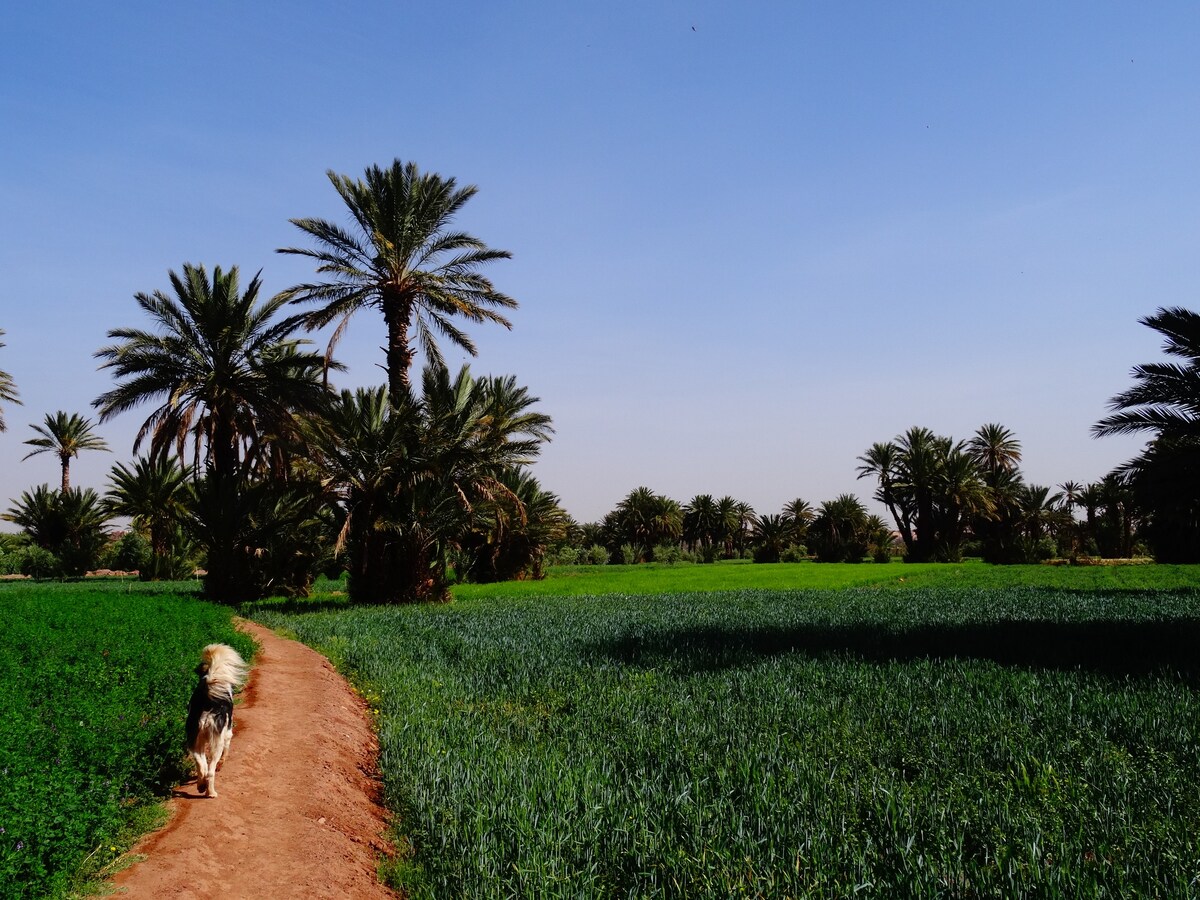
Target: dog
column 210, row 712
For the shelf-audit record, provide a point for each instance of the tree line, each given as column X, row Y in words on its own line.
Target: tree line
column 950, row 498
column 251, row 466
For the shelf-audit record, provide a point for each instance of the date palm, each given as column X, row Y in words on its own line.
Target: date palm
column 224, row 376
column 65, row 436
column 701, row 523
column 403, row 257
column 1166, row 395
column 996, row 449
column 153, row 493
column 8, row 389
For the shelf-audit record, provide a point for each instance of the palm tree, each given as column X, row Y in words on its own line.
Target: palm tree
column 799, row 513
column 996, row 450
column 645, row 520
column 963, row 497
column 879, row 539
column 729, row 522
column 65, row 435
column 701, row 524
column 840, row 530
column 70, row 524
column 1069, row 495
column 882, row 460
column 404, row 258
column 412, row 480
column 8, row 389
column 1166, row 396
column 229, row 381
column 224, row 375
column 510, row 532
column 154, row 494
column 770, row 535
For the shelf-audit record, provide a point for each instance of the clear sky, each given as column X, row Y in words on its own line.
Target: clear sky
column 749, row 239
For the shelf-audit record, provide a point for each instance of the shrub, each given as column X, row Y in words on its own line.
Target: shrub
column 596, row 555
column 564, row 556
column 794, row 553
column 129, row 553
column 630, row 554
column 667, row 553
column 39, row 563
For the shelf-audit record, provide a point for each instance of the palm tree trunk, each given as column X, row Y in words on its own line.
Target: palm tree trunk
column 66, row 472
column 397, row 315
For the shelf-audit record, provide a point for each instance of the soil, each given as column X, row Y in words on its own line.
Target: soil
column 299, row 813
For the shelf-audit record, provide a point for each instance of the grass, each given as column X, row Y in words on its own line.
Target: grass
column 945, row 735
column 94, row 683
column 741, row 575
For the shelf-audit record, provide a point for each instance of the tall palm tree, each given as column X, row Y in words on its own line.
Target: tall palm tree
column 221, row 371
column 1166, row 395
column 403, row 257
column 226, row 379
column 8, row 388
column 65, row 435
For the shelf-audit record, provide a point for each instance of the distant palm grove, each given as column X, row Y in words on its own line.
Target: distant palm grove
column 251, row 468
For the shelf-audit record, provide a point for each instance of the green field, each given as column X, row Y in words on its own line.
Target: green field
column 968, row 738
column 740, row 575
column 94, row 683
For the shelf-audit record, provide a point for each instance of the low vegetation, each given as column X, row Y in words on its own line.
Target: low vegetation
column 916, row 740
column 94, row 681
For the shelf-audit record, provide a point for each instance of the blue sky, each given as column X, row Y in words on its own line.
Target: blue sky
column 749, row 239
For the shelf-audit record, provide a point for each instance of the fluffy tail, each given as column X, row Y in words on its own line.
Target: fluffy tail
column 223, row 669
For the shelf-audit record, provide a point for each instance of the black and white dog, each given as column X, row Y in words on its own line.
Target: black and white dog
column 210, row 712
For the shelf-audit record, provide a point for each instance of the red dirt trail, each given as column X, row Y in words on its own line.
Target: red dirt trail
column 298, row 815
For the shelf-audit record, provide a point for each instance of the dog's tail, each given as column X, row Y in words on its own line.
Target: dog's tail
column 223, row 669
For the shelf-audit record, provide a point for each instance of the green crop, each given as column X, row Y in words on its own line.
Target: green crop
column 94, row 684
column 867, row 742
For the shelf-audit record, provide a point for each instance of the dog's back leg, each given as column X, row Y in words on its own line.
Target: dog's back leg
column 202, row 779
column 220, row 745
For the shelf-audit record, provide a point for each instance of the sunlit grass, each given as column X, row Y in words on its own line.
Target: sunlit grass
column 956, row 741
column 740, row 575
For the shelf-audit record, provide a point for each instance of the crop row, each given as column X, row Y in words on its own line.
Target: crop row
column 788, row 744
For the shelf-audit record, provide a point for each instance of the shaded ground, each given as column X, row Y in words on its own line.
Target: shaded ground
column 299, row 812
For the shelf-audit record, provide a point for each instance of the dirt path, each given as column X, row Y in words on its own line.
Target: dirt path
column 298, row 816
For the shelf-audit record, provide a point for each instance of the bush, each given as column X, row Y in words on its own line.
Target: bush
column 596, row 555
column 667, row 553
column 39, row 563
column 794, row 553
column 129, row 553
column 564, row 556
column 630, row 554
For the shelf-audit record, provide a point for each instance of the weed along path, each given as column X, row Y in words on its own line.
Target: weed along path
column 298, row 814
